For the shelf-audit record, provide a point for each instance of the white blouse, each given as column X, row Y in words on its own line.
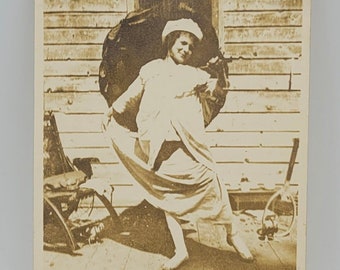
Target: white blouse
column 170, row 107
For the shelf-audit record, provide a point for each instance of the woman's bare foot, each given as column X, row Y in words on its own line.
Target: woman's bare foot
column 240, row 247
column 175, row 261
column 181, row 253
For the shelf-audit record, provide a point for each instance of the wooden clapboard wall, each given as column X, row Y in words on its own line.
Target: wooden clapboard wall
column 263, row 39
column 251, row 137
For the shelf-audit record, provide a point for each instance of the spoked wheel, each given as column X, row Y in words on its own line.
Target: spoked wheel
column 279, row 214
column 57, row 233
column 80, row 217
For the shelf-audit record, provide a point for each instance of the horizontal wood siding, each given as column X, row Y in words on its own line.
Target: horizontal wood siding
column 233, row 154
column 252, row 51
column 238, row 82
column 263, row 40
column 262, row 19
column 214, row 139
column 261, row 5
column 264, row 50
column 85, row 5
column 72, row 52
column 223, row 123
column 237, row 101
column 251, row 137
column 82, row 20
column 75, row 36
column 230, row 173
column 238, row 67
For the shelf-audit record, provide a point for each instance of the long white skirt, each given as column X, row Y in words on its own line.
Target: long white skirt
column 181, row 186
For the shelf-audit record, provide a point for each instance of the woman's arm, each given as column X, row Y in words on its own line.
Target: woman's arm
column 128, row 98
column 125, row 108
column 215, row 91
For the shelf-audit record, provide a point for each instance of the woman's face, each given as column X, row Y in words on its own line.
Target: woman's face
column 182, row 49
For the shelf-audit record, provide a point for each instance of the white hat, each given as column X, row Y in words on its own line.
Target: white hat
column 187, row 25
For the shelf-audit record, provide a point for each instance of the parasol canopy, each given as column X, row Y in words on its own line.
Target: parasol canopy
column 136, row 40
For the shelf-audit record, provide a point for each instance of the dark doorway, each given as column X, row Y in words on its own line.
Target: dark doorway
column 203, row 7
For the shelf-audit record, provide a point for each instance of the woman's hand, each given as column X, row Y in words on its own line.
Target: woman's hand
column 215, row 65
column 218, row 68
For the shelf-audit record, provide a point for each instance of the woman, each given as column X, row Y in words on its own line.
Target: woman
column 181, row 179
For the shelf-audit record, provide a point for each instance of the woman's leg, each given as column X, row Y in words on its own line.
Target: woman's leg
column 181, row 253
column 233, row 237
column 235, row 240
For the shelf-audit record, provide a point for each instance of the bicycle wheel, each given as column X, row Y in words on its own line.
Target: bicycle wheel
column 280, row 213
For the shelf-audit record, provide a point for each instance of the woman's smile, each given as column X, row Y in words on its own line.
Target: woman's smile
column 182, row 49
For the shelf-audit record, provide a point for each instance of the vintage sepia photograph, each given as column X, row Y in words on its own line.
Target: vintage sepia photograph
column 171, row 134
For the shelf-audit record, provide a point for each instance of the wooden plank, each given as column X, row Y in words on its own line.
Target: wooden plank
column 258, row 173
column 237, row 101
column 233, row 123
column 229, row 173
column 238, row 82
column 222, row 140
column 104, row 154
column 81, row 140
column 243, row 139
column 263, row 34
column 252, row 155
column 221, row 154
column 262, row 18
column 231, row 35
column 237, row 66
column 72, row 83
column 116, row 174
column 262, row 5
column 78, row 123
column 94, row 52
column 262, row 101
column 132, row 5
column 284, row 50
column 264, row 66
column 73, row 52
column 226, row 146
column 75, row 36
column 84, row 5
column 86, row 20
column 71, row 68
column 266, row 82
column 256, row 122
column 75, row 102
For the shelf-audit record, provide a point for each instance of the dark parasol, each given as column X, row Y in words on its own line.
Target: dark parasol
column 136, row 40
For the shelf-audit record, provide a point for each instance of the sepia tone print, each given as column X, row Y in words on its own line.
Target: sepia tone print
column 171, row 134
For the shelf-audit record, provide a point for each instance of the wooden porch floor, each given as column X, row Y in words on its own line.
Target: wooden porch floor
column 148, row 245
